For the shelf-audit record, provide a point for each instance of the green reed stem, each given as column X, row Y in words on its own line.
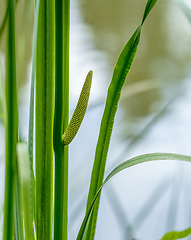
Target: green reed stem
column 44, row 106
column 11, row 126
column 62, row 27
column 31, row 109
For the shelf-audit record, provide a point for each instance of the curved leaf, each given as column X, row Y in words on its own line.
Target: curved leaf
column 176, row 235
column 129, row 163
column 79, row 111
column 121, row 70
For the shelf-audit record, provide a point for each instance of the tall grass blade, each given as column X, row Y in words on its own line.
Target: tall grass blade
column 26, row 189
column 61, row 117
column 148, row 8
column 176, row 235
column 129, row 163
column 44, row 112
column 121, row 70
column 11, row 132
column 31, row 110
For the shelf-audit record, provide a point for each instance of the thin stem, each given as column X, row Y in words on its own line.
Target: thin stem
column 62, row 23
column 11, row 126
column 31, row 110
column 44, row 120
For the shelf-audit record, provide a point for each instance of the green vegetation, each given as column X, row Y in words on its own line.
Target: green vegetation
column 28, row 199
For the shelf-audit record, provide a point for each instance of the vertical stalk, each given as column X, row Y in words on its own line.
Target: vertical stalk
column 62, row 24
column 31, row 109
column 11, row 126
column 44, row 105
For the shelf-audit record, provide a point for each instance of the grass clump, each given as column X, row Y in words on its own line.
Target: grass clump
column 28, row 201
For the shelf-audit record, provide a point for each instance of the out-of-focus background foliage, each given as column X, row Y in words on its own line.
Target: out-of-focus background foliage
column 144, row 201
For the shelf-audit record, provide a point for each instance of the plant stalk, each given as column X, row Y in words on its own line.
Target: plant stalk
column 44, row 120
column 61, row 117
column 11, row 126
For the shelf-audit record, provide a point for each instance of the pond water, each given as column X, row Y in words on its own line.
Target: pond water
column 148, row 200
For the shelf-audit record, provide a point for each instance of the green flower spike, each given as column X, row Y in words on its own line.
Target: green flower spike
column 79, row 112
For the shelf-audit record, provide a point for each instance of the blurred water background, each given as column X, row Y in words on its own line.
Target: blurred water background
column 145, row 201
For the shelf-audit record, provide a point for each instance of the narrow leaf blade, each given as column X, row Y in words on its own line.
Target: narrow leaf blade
column 31, row 111
column 129, row 163
column 120, row 73
column 148, row 8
